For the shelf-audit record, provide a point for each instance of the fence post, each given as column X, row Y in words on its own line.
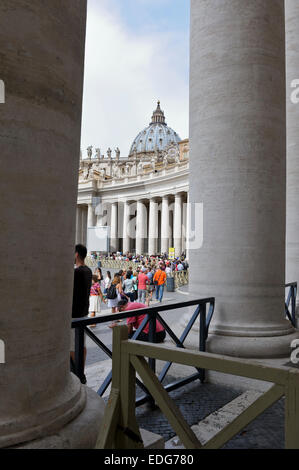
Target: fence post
column 202, row 337
column 293, row 300
column 152, row 339
column 79, row 353
column 292, row 411
column 128, row 435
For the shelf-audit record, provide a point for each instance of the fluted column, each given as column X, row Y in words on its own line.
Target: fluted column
column 165, row 225
column 42, row 66
column 177, row 224
column 292, row 60
column 153, row 227
column 141, row 227
column 237, row 170
column 126, row 228
column 114, row 227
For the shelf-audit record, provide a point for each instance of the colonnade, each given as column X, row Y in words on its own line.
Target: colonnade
column 146, row 226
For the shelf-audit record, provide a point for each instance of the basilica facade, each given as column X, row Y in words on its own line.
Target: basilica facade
column 141, row 198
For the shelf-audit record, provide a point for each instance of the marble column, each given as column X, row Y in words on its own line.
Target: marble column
column 165, row 225
column 153, row 227
column 79, row 225
column 84, row 224
column 184, row 228
column 126, row 228
column 90, row 216
column 292, row 60
column 177, row 224
column 114, row 227
column 42, row 59
column 237, row 170
column 141, row 227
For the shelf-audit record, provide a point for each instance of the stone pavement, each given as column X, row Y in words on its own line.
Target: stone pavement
column 196, row 401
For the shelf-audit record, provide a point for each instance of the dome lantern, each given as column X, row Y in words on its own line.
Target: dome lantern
column 155, row 138
column 158, row 116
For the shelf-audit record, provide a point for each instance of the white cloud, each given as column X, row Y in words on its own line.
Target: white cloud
column 125, row 74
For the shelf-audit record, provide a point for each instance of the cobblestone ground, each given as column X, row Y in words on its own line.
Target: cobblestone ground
column 196, row 401
column 266, row 432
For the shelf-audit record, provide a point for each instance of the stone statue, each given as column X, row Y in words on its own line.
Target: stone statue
column 89, row 152
column 140, row 168
column 109, row 153
column 117, row 153
column 128, row 169
column 98, row 154
column 153, row 163
column 86, row 172
column 103, row 172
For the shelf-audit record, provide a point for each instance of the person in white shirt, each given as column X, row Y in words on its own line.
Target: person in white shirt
column 107, row 281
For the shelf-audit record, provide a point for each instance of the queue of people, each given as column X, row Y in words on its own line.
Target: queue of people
column 128, row 290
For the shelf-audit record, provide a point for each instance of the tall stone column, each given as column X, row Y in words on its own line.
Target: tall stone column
column 84, row 221
column 237, row 170
column 42, row 67
column 153, row 227
column 141, row 227
column 126, row 228
column 177, row 224
column 292, row 60
column 90, row 216
column 79, row 225
column 114, row 227
column 165, row 225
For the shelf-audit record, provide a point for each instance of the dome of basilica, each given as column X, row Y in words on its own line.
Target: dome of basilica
column 156, row 137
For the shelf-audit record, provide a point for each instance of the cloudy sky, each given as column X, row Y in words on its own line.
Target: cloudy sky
column 137, row 51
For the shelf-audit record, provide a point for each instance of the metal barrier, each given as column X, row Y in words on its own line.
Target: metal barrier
column 291, row 299
column 120, row 429
column 181, row 278
column 151, row 315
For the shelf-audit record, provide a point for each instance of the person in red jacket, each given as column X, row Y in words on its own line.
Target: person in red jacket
column 134, row 322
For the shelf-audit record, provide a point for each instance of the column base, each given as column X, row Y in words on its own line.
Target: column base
column 81, row 433
column 250, row 346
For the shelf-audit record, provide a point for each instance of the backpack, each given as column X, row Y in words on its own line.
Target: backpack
column 111, row 292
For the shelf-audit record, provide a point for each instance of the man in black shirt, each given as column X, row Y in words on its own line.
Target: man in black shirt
column 82, row 285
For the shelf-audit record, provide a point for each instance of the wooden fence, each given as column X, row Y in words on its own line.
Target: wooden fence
column 120, row 429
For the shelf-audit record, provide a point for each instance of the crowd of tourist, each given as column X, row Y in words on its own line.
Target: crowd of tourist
column 138, row 283
column 152, row 262
column 130, row 289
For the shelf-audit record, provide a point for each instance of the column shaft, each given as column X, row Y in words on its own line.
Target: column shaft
column 292, row 60
column 153, row 228
column 79, row 225
column 42, row 66
column 141, row 227
column 165, row 225
column 237, row 170
column 90, row 216
column 178, row 224
column 126, row 228
column 114, row 227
